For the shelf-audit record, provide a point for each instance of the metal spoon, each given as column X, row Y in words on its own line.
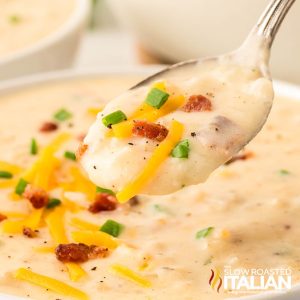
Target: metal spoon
column 241, row 110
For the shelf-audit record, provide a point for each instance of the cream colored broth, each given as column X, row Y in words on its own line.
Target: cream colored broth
column 24, row 22
column 241, row 99
column 249, row 200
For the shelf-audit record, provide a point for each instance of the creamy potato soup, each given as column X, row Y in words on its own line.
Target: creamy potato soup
column 25, row 22
column 64, row 238
column 161, row 137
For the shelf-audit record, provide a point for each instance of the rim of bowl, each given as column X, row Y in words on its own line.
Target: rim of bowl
column 77, row 17
column 281, row 88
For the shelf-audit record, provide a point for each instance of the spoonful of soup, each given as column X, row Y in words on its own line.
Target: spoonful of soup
column 174, row 128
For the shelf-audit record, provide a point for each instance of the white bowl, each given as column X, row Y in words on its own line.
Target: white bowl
column 179, row 30
column 55, row 51
column 281, row 89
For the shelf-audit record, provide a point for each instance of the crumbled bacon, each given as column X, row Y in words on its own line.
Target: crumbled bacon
column 150, row 130
column 98, row 252
column 27, row 231
column 2, row 217
column 103, row 202
column 79, row 253
column 48, row 127
column 134, row 201
column 37, row 197
column 81, row 137
column 243, row 156
column 197, row 103
column 81, row 150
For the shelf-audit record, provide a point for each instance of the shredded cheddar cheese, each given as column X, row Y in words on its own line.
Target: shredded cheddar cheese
column 15, row 227
column 50, row 283
column 131, row 275
column 159, row 155
column 94, row 110
column 83, row 225
column 55, row 223
column 12, row 168
column 97, row 238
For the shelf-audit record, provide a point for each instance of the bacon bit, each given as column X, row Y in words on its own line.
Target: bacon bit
column 27, row 231
column 150, row 130
column 98, row 252
column 37, row 197
column 103, row 202
column 2, row 217
column 81, row 150
column 197, row 103
column 48, row 127
column 79, row 253
column 242, row 156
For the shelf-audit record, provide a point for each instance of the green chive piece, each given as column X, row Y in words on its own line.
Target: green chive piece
column 62, row 115
column 21, row 186
column 181, row 150
column 33, row 147
column 204, row 232
column 112, row 227
column 284, row 172
column 156, row 98
column 14, row 19
column 5, row 174
column 114, row 118
column 103, row 190
column 53, row 203
column 70, row 155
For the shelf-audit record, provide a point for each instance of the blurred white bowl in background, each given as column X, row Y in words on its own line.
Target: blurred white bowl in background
column 177, row 30
column 55, row 51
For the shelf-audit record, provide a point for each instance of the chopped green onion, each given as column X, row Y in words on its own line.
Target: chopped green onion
column 70, row 155
column 14, row 19
column 156, row 98
column 53, row 203
column 21, row 186
column 204, row 232
column 33, row 147
column 114, row 118
column 5, row 174
column 103, row 190
column 62, row 115
column 284, row 172
column 112, row 227
column 181, row 150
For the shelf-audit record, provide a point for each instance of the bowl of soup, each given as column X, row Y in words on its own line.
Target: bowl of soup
column 179, row 246
column 39, row 35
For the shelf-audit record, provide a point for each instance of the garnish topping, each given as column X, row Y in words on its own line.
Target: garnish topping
column 48, row 127
column 204, row 232
column 6, row 174
column 62, row 115
column 156, row 98
column 103, row 202
column 150, row 130
column 53, row 202
column 114, row 118
column 21, row 186
column 37, row 196
column 112, row 227
column 33, row 147
column 70, row 155
column 181, row 150
column 284, row 172
column 197, row 103
column 103, row 190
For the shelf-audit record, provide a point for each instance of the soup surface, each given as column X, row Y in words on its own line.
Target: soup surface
column 246, row 215
column 24, row 22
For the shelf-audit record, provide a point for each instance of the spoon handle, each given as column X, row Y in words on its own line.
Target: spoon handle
column 271, row 19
